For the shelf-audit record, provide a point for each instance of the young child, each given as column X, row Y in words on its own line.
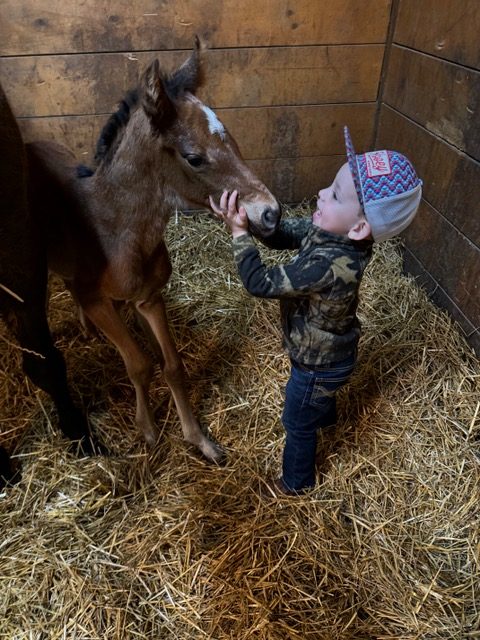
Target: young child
column 374, row 196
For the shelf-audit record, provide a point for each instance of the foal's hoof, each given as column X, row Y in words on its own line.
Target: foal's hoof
column 74, row 426
column 150, row 438
column 213, row 452
column 73, row 423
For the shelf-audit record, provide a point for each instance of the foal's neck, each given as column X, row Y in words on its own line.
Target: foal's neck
column 133, row 189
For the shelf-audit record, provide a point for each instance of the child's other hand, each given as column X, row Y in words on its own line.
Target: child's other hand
column 235, row 219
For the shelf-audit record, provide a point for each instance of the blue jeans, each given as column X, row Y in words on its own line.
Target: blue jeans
column 310, row 404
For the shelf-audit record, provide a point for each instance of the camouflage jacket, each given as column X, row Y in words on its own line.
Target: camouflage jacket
column 318, row 288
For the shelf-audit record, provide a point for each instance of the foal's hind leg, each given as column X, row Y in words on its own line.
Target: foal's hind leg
column 139, row 366
column 155, row 313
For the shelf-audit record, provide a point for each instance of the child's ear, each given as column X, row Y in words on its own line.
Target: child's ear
column 361, row 230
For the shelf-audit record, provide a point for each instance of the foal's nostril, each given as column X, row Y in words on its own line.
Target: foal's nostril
column 270, row 216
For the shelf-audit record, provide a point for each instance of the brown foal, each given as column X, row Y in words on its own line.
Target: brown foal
column 162, row 150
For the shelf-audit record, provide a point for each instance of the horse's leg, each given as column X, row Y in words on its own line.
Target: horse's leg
column 152, row 341
column 155, row 314
column 44, row 365
column 88, row 326
column 139, row 366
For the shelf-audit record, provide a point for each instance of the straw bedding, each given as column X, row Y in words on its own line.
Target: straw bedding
column 159, row 544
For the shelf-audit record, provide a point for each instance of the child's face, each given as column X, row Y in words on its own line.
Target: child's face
column 338, row 207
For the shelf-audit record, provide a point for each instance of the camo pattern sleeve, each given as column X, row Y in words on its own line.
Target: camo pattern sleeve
column 289, row 234
column 318, row 292
column 295, row 279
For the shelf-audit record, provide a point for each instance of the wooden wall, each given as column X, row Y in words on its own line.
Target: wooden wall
column 283, row 75
column 431, row 111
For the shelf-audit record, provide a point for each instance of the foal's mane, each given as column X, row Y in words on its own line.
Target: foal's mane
column 112, row 131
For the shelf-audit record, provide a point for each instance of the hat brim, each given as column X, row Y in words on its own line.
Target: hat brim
column 352, row 163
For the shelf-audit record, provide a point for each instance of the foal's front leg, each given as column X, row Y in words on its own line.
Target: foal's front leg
column 139, row 366
column 155, row 314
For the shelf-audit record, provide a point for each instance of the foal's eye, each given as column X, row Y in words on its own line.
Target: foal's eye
column 194, row 160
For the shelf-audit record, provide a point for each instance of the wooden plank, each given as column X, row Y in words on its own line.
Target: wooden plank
column 262, row 133
column 61, row 26
column 288, row 132
column 448, row 29
column 441, row 96
column 78, row 133
column 83, row 84
column 451, row 178
column 442, row 299
column 295, row 179
column 293, row 75
column 449, row 257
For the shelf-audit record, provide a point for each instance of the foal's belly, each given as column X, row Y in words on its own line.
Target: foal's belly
column 135, row 278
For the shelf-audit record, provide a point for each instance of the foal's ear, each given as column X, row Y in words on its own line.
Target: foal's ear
column 189, row 77
column 155, row 100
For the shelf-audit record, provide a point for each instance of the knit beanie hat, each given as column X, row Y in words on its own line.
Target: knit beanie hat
column 388, row 189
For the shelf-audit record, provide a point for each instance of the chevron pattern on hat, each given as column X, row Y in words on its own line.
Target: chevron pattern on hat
column 384, row 176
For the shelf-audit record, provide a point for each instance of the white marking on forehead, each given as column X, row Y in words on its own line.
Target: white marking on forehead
column 214, row 124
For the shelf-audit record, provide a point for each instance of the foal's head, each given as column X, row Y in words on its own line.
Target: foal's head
column 189, row 146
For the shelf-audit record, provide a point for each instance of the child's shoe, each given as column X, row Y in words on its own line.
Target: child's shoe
column 276, row 488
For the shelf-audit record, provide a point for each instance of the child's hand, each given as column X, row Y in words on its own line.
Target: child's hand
column 235, row 219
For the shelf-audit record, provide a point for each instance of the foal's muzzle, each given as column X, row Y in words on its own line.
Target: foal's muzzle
column 270, row 219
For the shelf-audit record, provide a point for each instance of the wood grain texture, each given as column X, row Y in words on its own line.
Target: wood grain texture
column 441, row 298
column 295, row 179
column 441, row 96
column 431, row 114
column 449, row 257
column 448, row 29
column 59, row 26
column 451, row 178
column 86, row 84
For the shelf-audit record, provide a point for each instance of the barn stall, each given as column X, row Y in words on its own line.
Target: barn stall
column 157, row 543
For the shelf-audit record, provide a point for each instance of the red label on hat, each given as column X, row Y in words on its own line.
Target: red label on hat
column 378, row 163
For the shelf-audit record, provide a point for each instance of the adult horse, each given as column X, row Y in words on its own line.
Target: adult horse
column 162, row 150
column 23, row 285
